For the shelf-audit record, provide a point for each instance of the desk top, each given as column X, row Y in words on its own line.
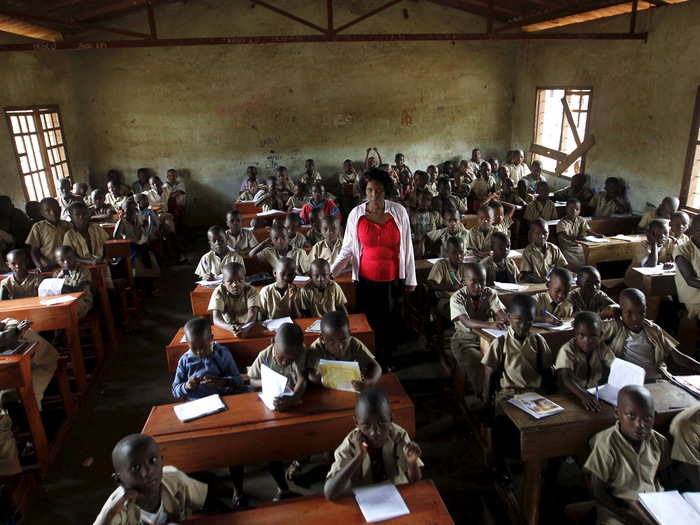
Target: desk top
column 633, row 239
column 535, row 330
column 34, row 303
column 422, row 499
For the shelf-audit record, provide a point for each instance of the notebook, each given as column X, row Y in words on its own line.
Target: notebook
column 315, row 327
column 380, row 502
column 672, row 507
column 536, row 405
column 58, row 300
column 274, row 324
column 622, row 373
column 509, row 287
column 339, row 375
column 269, row 212
column 50, row 286
column 198, row 408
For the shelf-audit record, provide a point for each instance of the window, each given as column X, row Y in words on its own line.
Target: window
column 690, row 189
column 553, row 129
column 40, row 149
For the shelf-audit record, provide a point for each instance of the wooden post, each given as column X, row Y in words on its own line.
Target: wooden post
column 152, row 21
column 633, row 17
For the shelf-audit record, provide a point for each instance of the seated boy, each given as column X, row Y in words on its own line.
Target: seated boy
column 687, row 259
column 636, row 339
column 542, row 207
column 499, row 267
column 625, row 459
column 664, row 211
column 589, row 297
column 577, row 189
column 240, row 240
column 610, row 201
column 685, row 453
column 444, row 200
column 423, row 221
column 376, row 451
column 99, row 209
column 321, row 294
column 314, row 235
column 149, row 492
column 540, row 256
column 485, row 185
column 86, row 238
column 584, row 361
column 147, row 217
column 336, row 343
column 473, row 306
column 298, row 198
column 535, row 176
column 654, row 250
column 47, row 235
column 234, row 303
column 276, row 247
column 281, row 298
column 271, row 198
column 571, row 228
column 76, row 278
column 319, row 200
column 518, row 361
column 502, row 221
column 114, row 196
column 478, row 241
column 310, row 174
column 679, row 225
column 207, row 367
column 453, row 228
column 329, row 247
column 420, row 187
column 296, row 238
column 20, row 283
column 448, row 275
column 210, row 264
column 553, row 305
column 512, row 194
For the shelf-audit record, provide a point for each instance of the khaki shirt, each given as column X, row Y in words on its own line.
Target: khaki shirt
column 270, row 256
column 181, row 496
column 587, row 370
column 443, row 273
column 10, row 288
column 266, row 357
column 544, row 302
column 685, row 429
column 440, row 236
column 114, row 201
column 347, row 178
column 521, row 364
column 321, row 250
column 517, row 172
column 355, row 351
column 482, row 187
column 540, row 210
column 210, row 263
column 106, row 210
column 319, row 302
column 478, row 241
column 241, row 243
column 606, row 208
column 598, row 302
column 538, row 263
column 492, row 269
column 614, row 461
column 268, row 202
column 47, row 237
column 503, row 226
column 234, row 308
column 298, row 241
column 677, row 241
column 461, row 303
column 643, row 250
column 76, row 278
column 690, row 252
column 615, row 335
column 98, row 237
column 273, row 305
column 411, row 200
column 574, row 228
column 159, row 200
column 297, row 202
column 395, row 464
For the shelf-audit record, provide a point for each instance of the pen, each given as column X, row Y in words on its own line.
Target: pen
column 550, row 314
column 596, row 393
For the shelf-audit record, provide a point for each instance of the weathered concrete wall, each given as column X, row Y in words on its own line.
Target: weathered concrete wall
column 643, row 96
column 214, row 110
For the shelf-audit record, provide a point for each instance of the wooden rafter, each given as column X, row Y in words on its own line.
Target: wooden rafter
column 17, row 26
column 479, row 7
column 550, row 14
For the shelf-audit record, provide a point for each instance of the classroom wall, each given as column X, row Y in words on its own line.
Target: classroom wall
column 643, row 96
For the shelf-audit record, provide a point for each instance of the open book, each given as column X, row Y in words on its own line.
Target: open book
column 339, row 375
column 565, row 325
column 509, row 287
column 268, row 212
column 274, row 324
column 274, row 385
column 536, row 405
column 622, row 373
column 205, row 406
column 672, row 507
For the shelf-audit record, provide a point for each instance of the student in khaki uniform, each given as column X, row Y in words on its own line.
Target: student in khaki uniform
column 377, row 450
column 667, row 207
column 655, row 250
column 149, row 492
column 420, row 187
column 281, row 298
column 47, row 235
column 234, row 303
column 321, row 294
column 271, row 198
column 502, row 221
column 535, row 176
column 589, row 297
column 445, row 200
column 571, row 228
column 209, row 267
column 542, row 207
column 685, row 453
column 329, row 247
column 516, row 167
column 423, row 221
column 296, row 238
column 158, row 197
column 687, row 259
column 473, row 306
column 99, row 209
column 584, row 362
column 518, row 361
column 336, row 343
column 610, row 201
column 75, row 278
column 552, row 305
column 636, row 339
column 478, row 241
column 238, row 239
column 453, row 228
column 678, row 226
column 349, row 174
column 86, row 238
column 485, row 185
column 20, row 283
column 310, row 175
column 577, row 189
column 298, row 198
column 625, row 459
column 448, row 275
column 277, row 247
column 540, row 256
column 499, row 267
column 114, row 196
column 314, row 235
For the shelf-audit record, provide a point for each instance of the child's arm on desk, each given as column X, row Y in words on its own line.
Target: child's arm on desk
column 283, row 403
column 413, row 453
column 340, row 483
column 627, row 513
column 566, row 381
column 498, row 324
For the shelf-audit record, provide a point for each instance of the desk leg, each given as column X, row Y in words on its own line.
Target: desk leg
column 76, row 353
column 532, row 489
column 108, row 317
column 31, row 409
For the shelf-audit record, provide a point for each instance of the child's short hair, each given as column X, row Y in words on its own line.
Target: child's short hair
column 294, row 218
column 589, row 270
column 500, row 236
column 126, row 444
column 281, row 169
column 75, row 206
column 591, row 319
column 634, row 295
column 485, row 209
column 572, row 201
column 561, row 273
column 278, row 228
column 291, row 335
column 330, row 219
column 540, row 222
column 521, row 303
column 681, row 215
column 455, row 241
column 46, row 201
column 536, row 164
column 216, row 230
column 658, row 223
column 301, row 186
column 18, row 252
column 233, row 268
column 475, row 268
column 198, row 326
column 496, row 205
column 320, row 263
column 334, row 321
column 65, row 250
column 374, row 400
column 450, row 211
column 232, row 213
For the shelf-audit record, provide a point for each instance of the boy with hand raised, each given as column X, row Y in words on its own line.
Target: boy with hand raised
column 234, row 303
column 277, row 247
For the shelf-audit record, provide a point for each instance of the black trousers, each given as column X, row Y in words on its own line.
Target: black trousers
column 381, row 303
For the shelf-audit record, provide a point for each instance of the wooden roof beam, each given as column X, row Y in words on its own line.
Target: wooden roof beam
column 481, row 5
column 20, row 27
column 543, row 16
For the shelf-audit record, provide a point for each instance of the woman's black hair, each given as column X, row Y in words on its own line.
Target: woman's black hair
column 380, row 176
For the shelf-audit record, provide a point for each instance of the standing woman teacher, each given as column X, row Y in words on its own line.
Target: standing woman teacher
column 378, row 243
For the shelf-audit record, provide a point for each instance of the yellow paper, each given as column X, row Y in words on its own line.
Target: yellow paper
column 339, row 375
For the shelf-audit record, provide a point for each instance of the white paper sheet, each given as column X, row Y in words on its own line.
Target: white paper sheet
column 301, row 279
column 514, row 254
column 433, row 261
column 273, row 385
column 560, row 203
column 669, row 508
column 656, row 270
column 199, row 408
column 591, row 238
column 51, row 286
column 693, row 498
column 273, row 324
column 621, row 237
column 509, row 287
column 380, row 502
column 315, row 327
column 211, row 284
column 269, row 212
column 296, row 210
column 58, row 300
column 246, row 201
column 566, row 325
column 495, row 332
column 622, row 373
column 552, row 222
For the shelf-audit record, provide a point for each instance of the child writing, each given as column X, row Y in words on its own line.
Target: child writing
column 453, row 228
column 540, row 256
column 499, row 267
column 542, row 207
column 448, row 275
column 610, row 201
column 210, row 264
column 238, row 239
column 234, row 303
column 664, row 211
column 570, row 229
column 329, row 247
column 377, row 450
column 478, row 242
column 589, row 297
column 553, row 305
column 322, row 294
column 76, row 278
column 281, row 298
column 276, row 247
column 20, row 283
column 47, row 235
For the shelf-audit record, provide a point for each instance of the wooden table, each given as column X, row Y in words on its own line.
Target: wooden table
column 613, row 250
column 248, row 432
column 653, row 285
column 16, row 373
column 530, row 289
column 246, row 207
column 624, row 224
column 247, row 218
column 246, row 350
column 422, row 499
column 108, row 227
column 115, row 248
column 62, row 316
column 98, row 274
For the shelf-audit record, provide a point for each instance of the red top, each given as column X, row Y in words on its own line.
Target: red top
column 380, row 249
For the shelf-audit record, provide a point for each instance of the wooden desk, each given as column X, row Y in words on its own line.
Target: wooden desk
column 246, row 207
column 422, row 499
column 248, row 432
column 614, row 225
column 423, row 266
column 246, row 350
column 530, row 289
column 555, row 338
column 613, row 250
column 115, row 248
column 247, row 218
column 62, row 316
column 108, row 227
column 98, row 274
column 652, row 285
column 16, row 373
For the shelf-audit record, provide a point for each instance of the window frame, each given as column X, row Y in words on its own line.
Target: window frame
column 37, row 111
column 692, row 151
column 566, row 88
